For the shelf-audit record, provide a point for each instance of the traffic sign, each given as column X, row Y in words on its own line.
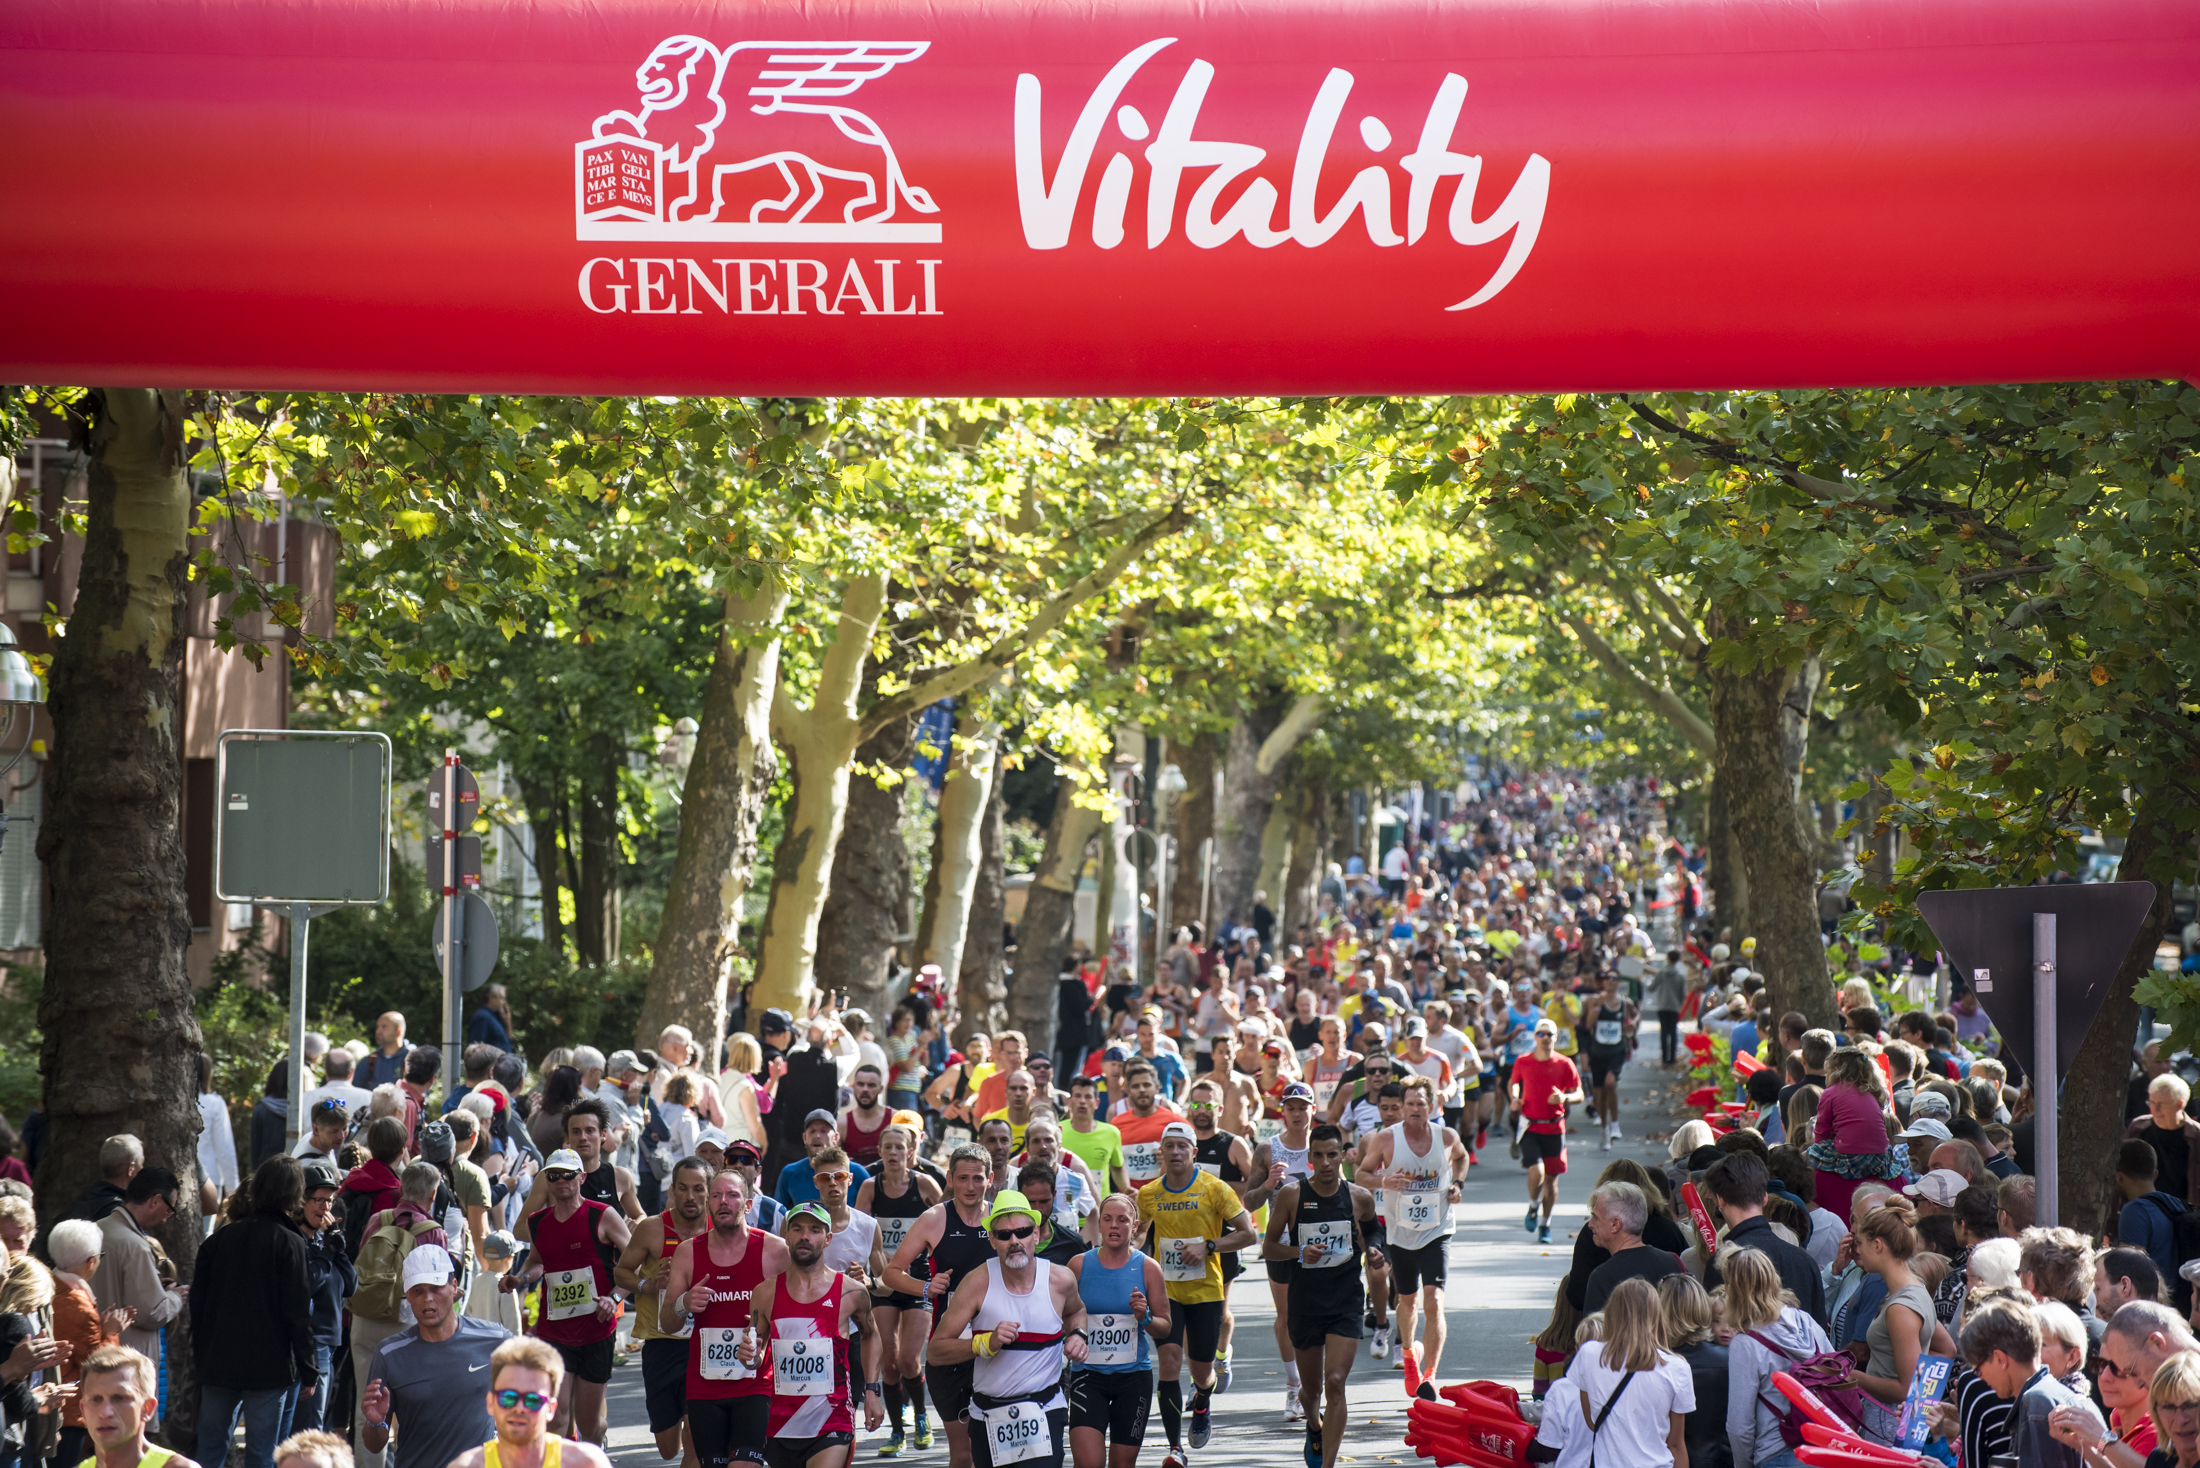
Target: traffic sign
column 1987, row 934
column 302, row 817
column 478, row 940
column 467, row 799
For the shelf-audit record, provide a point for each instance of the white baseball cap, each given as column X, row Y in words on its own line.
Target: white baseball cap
column 1180, row 1129
column 565, row 1159
column 428, row 1264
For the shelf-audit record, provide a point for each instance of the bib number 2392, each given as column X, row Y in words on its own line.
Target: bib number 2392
column 572, row 1293
column 1017, row 1432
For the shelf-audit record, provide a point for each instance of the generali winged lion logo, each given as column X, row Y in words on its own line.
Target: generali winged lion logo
column 787, row 158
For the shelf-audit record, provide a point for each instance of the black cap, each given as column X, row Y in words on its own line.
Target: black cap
column 775, row 1022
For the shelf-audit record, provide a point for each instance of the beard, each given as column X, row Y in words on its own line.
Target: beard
column 805, row 1254
column 1017, row 1256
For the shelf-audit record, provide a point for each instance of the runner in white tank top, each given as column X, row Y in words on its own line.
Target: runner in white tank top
column 1276, row 1162
column 1419, row 1186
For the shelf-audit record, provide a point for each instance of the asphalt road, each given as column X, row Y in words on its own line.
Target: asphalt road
column 1501, row 1284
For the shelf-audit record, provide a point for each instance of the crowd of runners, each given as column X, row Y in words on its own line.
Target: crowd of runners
column 1019, row 1254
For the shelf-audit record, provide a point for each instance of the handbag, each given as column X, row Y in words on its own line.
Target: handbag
column 1609, row 1403
column 1823, row 1372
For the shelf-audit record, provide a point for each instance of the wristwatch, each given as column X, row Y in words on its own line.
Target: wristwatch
column 875, row 1386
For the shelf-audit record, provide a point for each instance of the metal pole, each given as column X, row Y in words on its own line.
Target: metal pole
column 451, row 921
column 301, row 917
column 2045, row 1092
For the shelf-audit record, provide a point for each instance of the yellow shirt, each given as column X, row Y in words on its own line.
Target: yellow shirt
column 1504, row 940
column 1015, row 1129
column 1564, row 1010
column 1201, row 1211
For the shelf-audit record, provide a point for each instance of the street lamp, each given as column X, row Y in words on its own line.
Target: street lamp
column 1168, row 784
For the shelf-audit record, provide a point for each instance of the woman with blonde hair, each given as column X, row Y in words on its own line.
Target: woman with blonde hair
column 1687, row 1137
column 24, row 1297
column 1771, row 1333
column 1886, row 1241
column 2173, row 1402
column 740, row 1101
column 1646, row 1425
column 1849, row 1135
column 1691, row 1333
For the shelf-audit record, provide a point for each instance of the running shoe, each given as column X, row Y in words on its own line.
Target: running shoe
column 1512, row 1144
column 1543, row 1234
column 892, row 1447
column 923, row 1437
column 1313, row 1447
column 1223, row 1374
column 1528, row 1223
column 1381, row 1347
column 1607, row 1139
column 1294, row 1410
column 1203, row 1426
column 1427, row 1391
column 1175, row 1458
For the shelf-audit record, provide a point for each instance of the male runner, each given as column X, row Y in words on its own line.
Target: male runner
column 1126, row 1306
column 1098, row 1144
column 1075, row 1193
column 1195, row 1218
column 953, row 1234
column 1543, row 1084
column 575, row 1238
column 712, row 1281
column 1225, row 1155
column 1275, row 1162
column 1389, row 1108
column 1520, row 1019
column 642, row 1269
column 1141, row 1122
column 897, row 1197
column 1457, row 1048
column 800, row 1319
column 525, row 1376
column 862, row 1122
column 1421, row 1166
column 1025, row 1319
column 602, row 1180
column 1016, row 1109
column 1319, row 1227
column 119, row 1393
column 854, row 1248
column 1416, row 1058
column 1611, row 1025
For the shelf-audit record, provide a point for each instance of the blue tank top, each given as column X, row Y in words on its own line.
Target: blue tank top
column 1112, row 1333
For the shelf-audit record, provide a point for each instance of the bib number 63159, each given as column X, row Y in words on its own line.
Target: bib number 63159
column 1017, row 1432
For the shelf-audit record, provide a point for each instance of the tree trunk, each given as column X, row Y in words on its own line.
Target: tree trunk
column 1193, row 821
column 1043, row 936
column 2091, row 1118
column 982, row 981
column 1722, row 873
column 542, row 819
column 1309, row 842
column 1763, row 719
column 867, row 899
column 596, row 928
column 820, row 743
column 722, row 802
column 1241, row 820
column 956, row 849
column 1275, row 844
column 122, row 1044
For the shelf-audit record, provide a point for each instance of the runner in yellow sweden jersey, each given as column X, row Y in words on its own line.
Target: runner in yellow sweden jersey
column 1195, row 1217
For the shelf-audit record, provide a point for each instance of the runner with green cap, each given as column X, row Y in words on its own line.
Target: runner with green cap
column 1026, row 1318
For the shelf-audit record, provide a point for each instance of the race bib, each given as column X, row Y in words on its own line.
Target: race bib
column 954, row 1134
column 687, row 1322
column 891, row 1231
column 721, row 1361
column 1415, row 1210
column 1608, row 1031
column 569, row 1293
column 1335, row 1238
column 1175, row 1266
column 1630, row 967
column 1015, row 1432
column 802, row 1367
column 1212, row 1169
column 1267, row 1129
column 1142, row 1160
column 1111, row 1340
column 1324, row 1092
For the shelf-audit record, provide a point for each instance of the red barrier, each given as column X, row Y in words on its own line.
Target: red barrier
column 1832, row 1457
column 1746, row 1064
column 1700, row 1216
column 1817, row 1435
column 1701, row 1097
column 1505, row 1396
column 1153, row 196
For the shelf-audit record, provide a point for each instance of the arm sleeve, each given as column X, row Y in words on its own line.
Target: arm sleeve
column 293, row 1300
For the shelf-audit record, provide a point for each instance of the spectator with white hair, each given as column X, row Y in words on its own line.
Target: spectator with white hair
column 336, row 1085
column 677, row 1053
column 75, row 1246
column 120, row 1159
column 2174, row 1136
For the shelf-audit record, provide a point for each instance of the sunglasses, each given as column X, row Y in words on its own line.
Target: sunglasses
column 1007, row 1234
column 826, row 1177
column 533, row 1401
column 559, row 1175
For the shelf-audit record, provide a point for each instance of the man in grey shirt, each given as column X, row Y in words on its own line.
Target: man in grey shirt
column 431, row 1381
column 2001, row 1341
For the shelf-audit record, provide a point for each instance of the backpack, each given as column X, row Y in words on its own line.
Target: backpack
column 2184, row 1231
column 1822, row 1374
column 381, row 1267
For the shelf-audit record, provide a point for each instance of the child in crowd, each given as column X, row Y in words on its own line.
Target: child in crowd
column 1555, row 1346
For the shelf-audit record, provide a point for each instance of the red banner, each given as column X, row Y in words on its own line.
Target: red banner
column 1701, row 1217
column 1352, row 196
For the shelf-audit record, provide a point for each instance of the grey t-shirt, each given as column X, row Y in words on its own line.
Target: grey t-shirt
column 439, row 1405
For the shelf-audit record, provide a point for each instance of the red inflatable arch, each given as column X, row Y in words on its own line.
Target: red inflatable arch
column 955, row 197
